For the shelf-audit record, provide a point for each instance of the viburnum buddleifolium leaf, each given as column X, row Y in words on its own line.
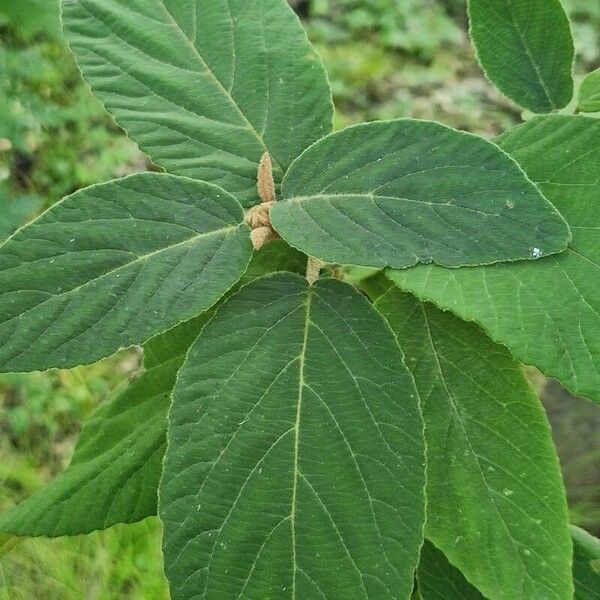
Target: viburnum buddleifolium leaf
column 114, row 474
column 495, row 501
column 546, row 312
column 295, row 460
column 439, row 580
column 526, row 49
column 205, row 87
column 396, row 193
column 589, row 93
column 586, row 565
column 114, row 264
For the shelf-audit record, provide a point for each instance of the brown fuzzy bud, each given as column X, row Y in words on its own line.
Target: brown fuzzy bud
column 264, row 180
column 258, row 216
column 313, row 269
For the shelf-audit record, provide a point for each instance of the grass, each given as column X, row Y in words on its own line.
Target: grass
column 123, row 562
column 40, row 417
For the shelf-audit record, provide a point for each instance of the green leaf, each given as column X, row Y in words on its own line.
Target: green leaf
column 439, row 580
column 495, row 501
column 526, row 49
column 589, row 93
column 547, row 312
column 586, row 565
column 113, row 476
column 295, row 464
column 397, row 193
column 205, row 88
column 115, row 264
column 115, row 470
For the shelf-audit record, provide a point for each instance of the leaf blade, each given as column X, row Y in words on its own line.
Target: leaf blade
column 221, row 82
column 496, row 505
column 522, row 309
column 526, row 49
column 264, row 465
column 115, row 264
column 438, row 579
column 400, row 192
column 589, row 93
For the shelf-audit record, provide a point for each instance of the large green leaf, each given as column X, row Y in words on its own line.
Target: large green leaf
column 586, row 565
column 397, row 193
column 589, row 93
column 526, row 49
column 113, row 476
column 547, row 312
column 295, row 461
column 205, row 87
column 495, row 501
column 113, row 265
column 439, row 580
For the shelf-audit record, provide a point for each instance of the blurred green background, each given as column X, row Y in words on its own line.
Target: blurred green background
column 386, row 58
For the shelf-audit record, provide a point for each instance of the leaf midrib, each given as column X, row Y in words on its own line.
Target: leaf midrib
column 296, row 474
column 373, row 197
column 530, row 57
column 519, row 33
column 204, row 64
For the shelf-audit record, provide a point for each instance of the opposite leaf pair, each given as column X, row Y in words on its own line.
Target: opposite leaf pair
column 117, row 263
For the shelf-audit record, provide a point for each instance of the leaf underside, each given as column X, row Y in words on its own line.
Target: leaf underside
column 547, row 312
column 115, row 264
column 397, row 193
column 295, row 464
column 495, row 501
column 526, row 49
column 439, row 580
column 205, row 88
